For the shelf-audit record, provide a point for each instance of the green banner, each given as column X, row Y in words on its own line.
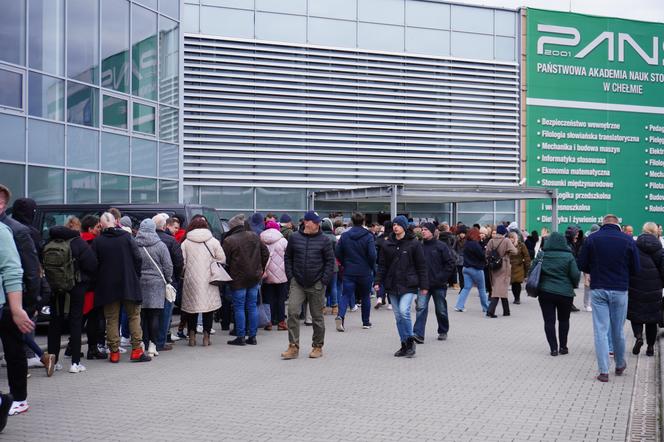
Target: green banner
column 595, row 118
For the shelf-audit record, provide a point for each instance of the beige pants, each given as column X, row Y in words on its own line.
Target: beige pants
column 112, row 314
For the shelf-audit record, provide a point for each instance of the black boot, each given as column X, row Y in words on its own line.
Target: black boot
column 506, row 306
column 402, row 351
column 410, row 347
column 237, row 341
column 491, row 313
column 637, row 345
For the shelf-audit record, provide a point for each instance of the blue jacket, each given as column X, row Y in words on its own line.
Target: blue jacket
column 610, row 257
column 356, row 252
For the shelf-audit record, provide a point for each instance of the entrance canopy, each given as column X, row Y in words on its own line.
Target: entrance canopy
column 399, row 193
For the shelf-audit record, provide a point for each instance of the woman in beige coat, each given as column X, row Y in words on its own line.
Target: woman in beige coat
column 500, row 278
column 199, row 250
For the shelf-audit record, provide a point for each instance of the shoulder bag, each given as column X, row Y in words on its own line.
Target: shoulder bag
column 218, row 274
column 532, row 283
column 170, row 293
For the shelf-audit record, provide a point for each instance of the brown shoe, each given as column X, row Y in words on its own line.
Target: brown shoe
column 282, row 326
column 268, row 327
column 316, row 352
column 206, row 339
column 292, row 352
column 192, row 338
column 167, row 347
column 49, row 363
column 335, row 310
column 327, row 310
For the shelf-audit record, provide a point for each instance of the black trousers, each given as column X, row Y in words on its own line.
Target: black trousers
column 275, row 295
column 651, row 332
column 562, row 305
column 516, row 291
column 95, row 327
column 460, row 276
column 58, row 319
column 494, row 303
column 17, row 364
column 207, row 321
column 150, row 323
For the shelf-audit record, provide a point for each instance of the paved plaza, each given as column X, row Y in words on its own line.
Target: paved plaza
column 492, row 380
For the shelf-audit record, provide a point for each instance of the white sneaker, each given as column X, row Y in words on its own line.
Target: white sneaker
column 152, row 349
column 122, row 350
column 58, row 366
column 77, row 368
column 589, row 309
column 102, row 348
column 199, row 329
column 354, row 309
column 35, row 363
column 212, row 331
column 174, row 337
column 125, row 342
column 389, row 306
column 18, row 408
column 459, row 309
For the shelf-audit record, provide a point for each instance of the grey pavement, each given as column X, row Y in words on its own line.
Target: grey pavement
column 492, row 380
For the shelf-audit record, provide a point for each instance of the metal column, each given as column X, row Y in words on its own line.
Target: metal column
column 554, row 211
column 393, row 201
column 312, row 200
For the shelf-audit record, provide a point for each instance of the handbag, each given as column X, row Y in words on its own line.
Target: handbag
column 532, row 283
column 264, row 314
column 218, row 274
column 170, row 292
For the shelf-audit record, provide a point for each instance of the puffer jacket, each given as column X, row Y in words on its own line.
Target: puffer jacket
column 198, row 295
column 356, row 251
column 645, row 287
column 559, row 274
column 275, row 272
column 309, row 258
column 246, row 257
column 520, row 263
column 152, row 284
column 401, row 265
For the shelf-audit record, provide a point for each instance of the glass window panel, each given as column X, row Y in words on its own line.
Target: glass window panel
column 82, row 104
column 169, row 60
column 82, row 187
column 505, row 23
column 279, row 27
column 46, row 185
column 144, row 55
column 505, row 206
column 169, row 160
column 287, row 199
column 115, row 45
column 475, row 218
column 46, row 143
column 46, row 45
column 427, row 41
column 83, row 40
column 191, row 194
column 191, row 19
column 115, row 112
column 472, row 46
column 168, row 124
column 13, row 177
column 469, row 19
column 381, row 37
column 476, row 206
column 428, row 15
column 285, row 6
column 238, row 4
column 143, row 117
column 170, row 8
column 149, row 3
column 82, row 148
column 143, row 157
column 505, row 48
column 12, row 32
column 382, row 11
column 332, row 32
column 12, row 129
column 344, row 9
column 227, row 22
column 505, row 217
column 143, row 190
column 428, row 207
column 168, row 191
column 11, row 89
column 240, row 198
column 46, row 98
column 114, row 153
column 114, row 189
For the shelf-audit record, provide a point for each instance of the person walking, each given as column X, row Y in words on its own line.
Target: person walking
column 356, row 252
column 520, row 265
column 161, row 222
column 331, row 294
column 402, row 271
column 459, row 244
column 199, row 250
column 440, row 265
column 611, row 258
column 644, row 306
column 275, row 282
column 474, row 263
column 381, row 296
column 309, row 267
column 246, row 258
column 499, row 249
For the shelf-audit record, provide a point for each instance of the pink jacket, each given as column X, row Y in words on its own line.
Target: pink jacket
column 275, row 272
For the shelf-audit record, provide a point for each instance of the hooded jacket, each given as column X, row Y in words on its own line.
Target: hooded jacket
column 23, row 211
column 198, row 295
column 356, row 252
column 645, row 287
column 309, row 258
column 401, row 265
column 440, row 263
column 153, row 288
column 246, row 257
column 84, row 258
column 559, row 274
column 275, row 271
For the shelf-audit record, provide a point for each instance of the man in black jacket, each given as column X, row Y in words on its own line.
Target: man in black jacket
column 440, row 265
column 309, row 267
column 402, row 271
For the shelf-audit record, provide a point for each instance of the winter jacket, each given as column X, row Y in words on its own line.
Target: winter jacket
column 119, row 267
column 11, row 273
column 309, row 258
column 198, row 295
column 440, row 263
column 153, row 288
column 473, row 255
column 326, row 227
column 286, row 232
column 520, row 263
column 559, row 274
column 645, row 287
column 459, row 245
column 175, row 252
column 610, row 257
column 23, row 211
column 500, row 279
column 85, row 259
column 356, row 251
column 246, row 257
column 401, row 265
column 275, row 271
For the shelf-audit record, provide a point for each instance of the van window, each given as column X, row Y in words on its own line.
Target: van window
column 213, row 221
column 58, row 218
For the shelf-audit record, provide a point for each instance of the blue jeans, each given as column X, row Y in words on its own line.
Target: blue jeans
column 422, row 311
column 164, row 324
column 401, row 306
column 245, row 299
column 609, row 313
column 472, row 276
column 331, row 294
column 356, row 286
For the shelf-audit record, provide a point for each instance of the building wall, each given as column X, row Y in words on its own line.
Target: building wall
column 90, row 100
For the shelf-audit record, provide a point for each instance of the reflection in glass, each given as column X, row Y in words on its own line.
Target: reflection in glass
column 82, row 148
column 149, row 3
column 114, row 153
column 83, row 40
column 46, row 185
column 143, row 190
column 272, row 198
column 82, row 187
column 46, row 45
column 13, row 176
column 143, row 117
column 12, row 32
column 82, row 104
column 115, row 45
column 170, row 8
column 144, row 55
column 191, row 194
column 168, row 160
column 241, row 198
column 169, row 62
column 114, row 112
column 143, row 157
column 46, row 143
column 168, row 124
column 12, row 129
column 46, row 98
column 114, row 189
column 168, row 191
column 11, row 91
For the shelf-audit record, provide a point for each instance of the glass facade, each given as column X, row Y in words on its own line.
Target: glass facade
column 78, row 80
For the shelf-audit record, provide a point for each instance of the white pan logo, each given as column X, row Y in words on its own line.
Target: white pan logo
column 569, row 36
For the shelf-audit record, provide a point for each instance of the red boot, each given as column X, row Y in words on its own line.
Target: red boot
column 282, row 326
column 115, row 357
column 138, row 355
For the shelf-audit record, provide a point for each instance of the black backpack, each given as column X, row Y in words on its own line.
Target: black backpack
column 495, row 261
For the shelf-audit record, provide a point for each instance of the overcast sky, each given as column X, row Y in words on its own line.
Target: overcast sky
column 649, row 10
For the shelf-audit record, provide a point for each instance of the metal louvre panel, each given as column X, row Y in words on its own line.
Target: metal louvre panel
column 277, row 114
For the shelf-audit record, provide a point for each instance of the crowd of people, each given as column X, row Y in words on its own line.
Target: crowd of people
column 269, row 272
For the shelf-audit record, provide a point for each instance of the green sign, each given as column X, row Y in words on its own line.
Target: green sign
column 595, row 118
